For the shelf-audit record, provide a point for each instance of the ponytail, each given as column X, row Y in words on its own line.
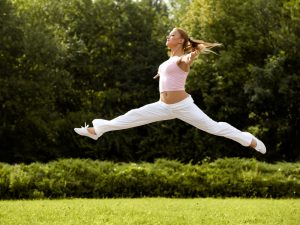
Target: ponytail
column 190, row 45
column 202, row 46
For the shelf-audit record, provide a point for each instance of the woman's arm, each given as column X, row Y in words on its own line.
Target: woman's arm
column 185, row 61
column 156, row 76
column 188, row 59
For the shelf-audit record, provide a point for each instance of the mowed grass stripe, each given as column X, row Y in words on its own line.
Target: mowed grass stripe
column 151, row 211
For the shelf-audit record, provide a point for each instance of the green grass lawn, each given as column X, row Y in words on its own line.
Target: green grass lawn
column 146, row 211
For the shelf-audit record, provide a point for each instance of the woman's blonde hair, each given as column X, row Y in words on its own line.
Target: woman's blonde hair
column 190, row 44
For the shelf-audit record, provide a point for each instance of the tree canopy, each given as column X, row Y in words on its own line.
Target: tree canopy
column 63, row 63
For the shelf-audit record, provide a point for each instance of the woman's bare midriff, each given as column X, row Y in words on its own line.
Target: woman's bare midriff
column 171, row 97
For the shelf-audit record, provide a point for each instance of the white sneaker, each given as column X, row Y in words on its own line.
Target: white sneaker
column 260, row 147
column 83, row 131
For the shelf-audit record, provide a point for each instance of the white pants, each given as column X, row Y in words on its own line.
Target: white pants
column 184, row 110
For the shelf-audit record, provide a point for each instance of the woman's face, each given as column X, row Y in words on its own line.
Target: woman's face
column 174, row 39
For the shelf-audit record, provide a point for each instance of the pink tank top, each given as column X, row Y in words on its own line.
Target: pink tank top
column 171, row 76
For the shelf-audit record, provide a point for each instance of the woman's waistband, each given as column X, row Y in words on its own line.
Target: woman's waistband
column 187, row 100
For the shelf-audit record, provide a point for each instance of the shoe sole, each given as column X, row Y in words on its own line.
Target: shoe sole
column 94, row 137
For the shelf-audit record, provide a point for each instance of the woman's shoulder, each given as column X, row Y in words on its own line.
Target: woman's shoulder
column 184, row 58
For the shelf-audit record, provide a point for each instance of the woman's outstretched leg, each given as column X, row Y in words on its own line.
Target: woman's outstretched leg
column 191, row 114
column 136, row 117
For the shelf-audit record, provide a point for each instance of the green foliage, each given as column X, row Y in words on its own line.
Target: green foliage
column 254, row 81
column 34, row 91
column 66, row 61
column 87, row 178
column 63, row 63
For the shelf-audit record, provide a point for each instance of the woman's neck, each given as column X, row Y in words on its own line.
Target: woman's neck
column 177, row 51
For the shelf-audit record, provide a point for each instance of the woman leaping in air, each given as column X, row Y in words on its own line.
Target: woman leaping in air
column 174, row 101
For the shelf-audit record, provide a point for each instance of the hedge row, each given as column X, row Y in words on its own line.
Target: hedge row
column 100, row 179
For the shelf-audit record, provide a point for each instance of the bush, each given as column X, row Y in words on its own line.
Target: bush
column 231, row 177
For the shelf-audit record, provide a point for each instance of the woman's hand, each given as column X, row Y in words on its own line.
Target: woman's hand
column 196, row 51
column 156, row 76
column 194, row 54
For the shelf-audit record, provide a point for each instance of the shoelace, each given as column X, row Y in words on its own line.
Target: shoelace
column 85, row 126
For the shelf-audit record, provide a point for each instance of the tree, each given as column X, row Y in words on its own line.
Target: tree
column 67, row 62
column 254, row 82
column 34, row 84
column 70, row 61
